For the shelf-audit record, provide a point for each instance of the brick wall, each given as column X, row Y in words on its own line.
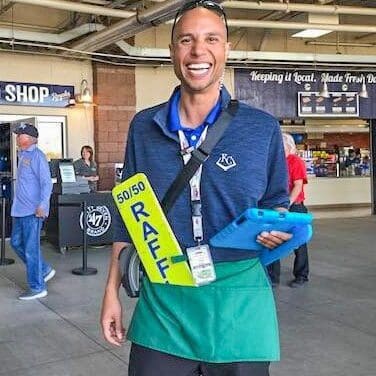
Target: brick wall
column 115, row 97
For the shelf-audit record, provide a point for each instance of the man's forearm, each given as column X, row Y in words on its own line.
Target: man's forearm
column 114, row 275
column 297, row 188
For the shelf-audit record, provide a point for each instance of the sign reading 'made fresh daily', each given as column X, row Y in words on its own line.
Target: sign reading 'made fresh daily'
column 33, row 94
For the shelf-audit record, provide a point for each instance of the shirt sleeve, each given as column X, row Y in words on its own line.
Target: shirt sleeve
column 95, row 167
column 120, row 233
column 276, row 193
column 298, row 170
column 42, row 171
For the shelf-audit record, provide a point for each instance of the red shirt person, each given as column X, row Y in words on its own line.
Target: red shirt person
column 297, row 179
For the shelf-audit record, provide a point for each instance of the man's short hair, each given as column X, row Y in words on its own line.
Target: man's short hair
column 289, row 142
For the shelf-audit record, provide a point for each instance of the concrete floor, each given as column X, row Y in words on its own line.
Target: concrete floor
column 327, row 328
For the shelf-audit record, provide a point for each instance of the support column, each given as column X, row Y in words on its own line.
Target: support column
column 373, row 165
column 115, row 97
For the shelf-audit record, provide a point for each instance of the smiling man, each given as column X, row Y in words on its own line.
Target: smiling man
column 227, row 326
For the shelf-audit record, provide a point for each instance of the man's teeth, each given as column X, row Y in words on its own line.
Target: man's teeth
column 198, row 66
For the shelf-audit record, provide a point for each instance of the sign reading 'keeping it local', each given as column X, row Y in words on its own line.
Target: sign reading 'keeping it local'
column 277, row 90
column 151, row 233
column 32, row 94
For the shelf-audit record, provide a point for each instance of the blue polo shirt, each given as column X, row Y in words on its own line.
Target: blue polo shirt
column 192, row 134
column 33, row 185
column 257, row 176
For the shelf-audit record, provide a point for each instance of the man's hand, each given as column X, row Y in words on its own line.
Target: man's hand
column 273, row 239
column 39, row 212
column 111, row 320
column 111, row 315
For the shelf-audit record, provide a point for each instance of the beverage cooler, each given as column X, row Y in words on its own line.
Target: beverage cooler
column 6, row 172
column 51, row 141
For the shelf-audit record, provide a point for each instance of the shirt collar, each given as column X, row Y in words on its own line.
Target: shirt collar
column 30, row 148
column 161, row 115
column 173, row 121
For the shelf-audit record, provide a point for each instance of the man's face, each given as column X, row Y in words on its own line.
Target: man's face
column 24, row 141
column 199, row 50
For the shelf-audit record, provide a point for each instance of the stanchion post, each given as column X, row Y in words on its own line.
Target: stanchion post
column 3, row 260
column 85, row 270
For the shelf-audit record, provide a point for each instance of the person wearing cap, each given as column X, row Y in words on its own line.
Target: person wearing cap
column 30, row 207
column 229, row 326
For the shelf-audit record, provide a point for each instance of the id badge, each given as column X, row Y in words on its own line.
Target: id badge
column 201, row 264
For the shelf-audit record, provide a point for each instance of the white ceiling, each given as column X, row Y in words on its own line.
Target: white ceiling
column 261, row 29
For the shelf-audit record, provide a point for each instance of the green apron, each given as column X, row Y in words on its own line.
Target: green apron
column 232, row 319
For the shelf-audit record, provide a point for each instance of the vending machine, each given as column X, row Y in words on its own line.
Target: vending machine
column 6, row 173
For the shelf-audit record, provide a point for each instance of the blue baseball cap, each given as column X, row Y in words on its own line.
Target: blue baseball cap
column 26, row 128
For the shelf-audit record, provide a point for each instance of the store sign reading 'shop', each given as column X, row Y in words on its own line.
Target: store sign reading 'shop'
column 32, row 94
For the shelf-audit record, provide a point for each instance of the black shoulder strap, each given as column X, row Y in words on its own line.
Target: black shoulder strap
column 199, row 155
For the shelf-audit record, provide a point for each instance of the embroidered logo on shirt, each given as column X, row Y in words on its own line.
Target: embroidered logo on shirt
column 225, row 162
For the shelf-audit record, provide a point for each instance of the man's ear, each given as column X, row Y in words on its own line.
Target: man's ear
column 171, row 48
column 227, row 49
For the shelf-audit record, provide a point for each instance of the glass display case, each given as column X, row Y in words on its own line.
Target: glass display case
column 321, row 163
column 342, row 162
column 5, row 161
column 5, row 174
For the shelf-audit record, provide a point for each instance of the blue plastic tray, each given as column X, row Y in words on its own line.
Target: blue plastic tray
column 242, row 232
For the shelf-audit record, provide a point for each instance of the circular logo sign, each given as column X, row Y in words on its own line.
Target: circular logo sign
column 98, row 220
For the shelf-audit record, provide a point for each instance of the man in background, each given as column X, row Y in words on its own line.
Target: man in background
column 297, row 179
column 30, row 207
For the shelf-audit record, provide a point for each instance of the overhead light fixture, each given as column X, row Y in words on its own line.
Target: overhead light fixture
column 85, row 96
column 363, row 93
column 324, row 91
column 71, row 102
column 311, row 33
column 315, row 18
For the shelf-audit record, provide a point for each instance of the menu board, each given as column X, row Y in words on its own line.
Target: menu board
column 339, row 104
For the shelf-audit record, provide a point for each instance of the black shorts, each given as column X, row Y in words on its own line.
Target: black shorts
column 148, row 362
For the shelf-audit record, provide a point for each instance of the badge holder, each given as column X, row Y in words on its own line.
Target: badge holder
column 201, row 264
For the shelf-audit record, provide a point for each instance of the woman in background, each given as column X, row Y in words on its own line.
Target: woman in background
column 86, row 167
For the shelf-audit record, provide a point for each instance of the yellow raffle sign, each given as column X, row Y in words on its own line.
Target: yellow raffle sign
column 151, row 233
